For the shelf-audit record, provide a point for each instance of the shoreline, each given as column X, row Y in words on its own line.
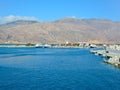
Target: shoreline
column 112, row 55
column 38, row 47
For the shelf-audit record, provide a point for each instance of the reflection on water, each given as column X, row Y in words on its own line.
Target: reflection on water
column 55, row 69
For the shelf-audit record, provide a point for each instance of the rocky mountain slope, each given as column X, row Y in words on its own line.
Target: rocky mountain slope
column 60, row 31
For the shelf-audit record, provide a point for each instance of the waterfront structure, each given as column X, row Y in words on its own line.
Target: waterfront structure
column 113, row 55
column 113, row 47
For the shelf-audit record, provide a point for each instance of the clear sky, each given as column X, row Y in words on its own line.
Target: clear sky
column 48, row 10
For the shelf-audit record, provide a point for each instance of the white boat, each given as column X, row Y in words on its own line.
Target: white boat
column 42, row 46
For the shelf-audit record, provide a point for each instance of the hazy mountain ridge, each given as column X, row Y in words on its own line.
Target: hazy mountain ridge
column 60, row 31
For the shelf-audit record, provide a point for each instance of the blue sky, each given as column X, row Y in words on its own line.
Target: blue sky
column 49, row 10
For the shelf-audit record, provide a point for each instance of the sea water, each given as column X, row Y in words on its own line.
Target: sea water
column 55, row 69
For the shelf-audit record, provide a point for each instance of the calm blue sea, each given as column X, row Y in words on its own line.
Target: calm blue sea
column 55, row 69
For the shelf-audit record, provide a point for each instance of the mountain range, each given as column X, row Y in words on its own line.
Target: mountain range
column 60, row 31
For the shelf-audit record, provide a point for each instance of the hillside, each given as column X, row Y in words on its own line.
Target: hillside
column 60, row 31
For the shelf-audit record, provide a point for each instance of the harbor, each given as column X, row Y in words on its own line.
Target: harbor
column 109, row 51
column 55, row 69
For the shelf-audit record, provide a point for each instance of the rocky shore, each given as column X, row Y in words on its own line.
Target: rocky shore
column 112, row 55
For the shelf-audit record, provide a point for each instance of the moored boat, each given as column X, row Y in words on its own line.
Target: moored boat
column 42, row 46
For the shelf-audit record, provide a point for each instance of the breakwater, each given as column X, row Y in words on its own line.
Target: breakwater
column 113, row 55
